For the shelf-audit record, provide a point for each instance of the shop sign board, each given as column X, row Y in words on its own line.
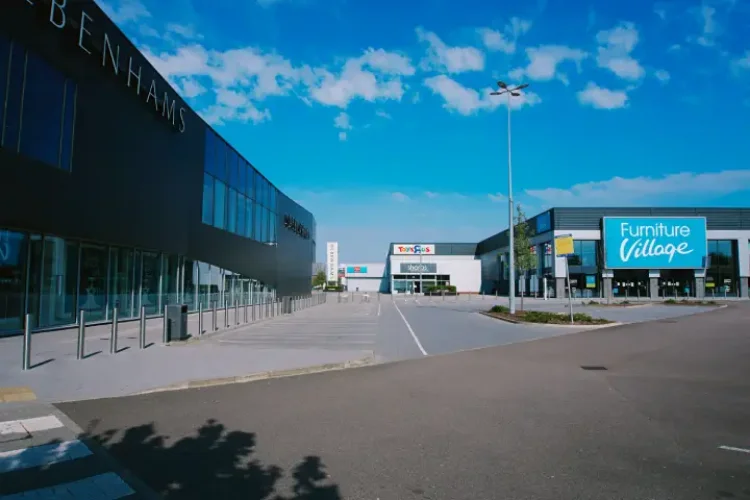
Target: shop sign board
column 654, row 242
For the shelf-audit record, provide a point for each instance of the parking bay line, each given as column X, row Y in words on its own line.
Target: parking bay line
column 408, row 326
column 732, row 448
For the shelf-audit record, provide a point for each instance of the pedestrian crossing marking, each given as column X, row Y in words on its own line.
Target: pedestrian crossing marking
column 37, row 456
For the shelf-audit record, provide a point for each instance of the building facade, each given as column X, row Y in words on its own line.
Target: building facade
column 115, row 193
column 630, row 253
column 415, row 267
column 367, row 277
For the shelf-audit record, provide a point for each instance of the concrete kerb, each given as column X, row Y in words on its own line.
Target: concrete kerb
column 255, row 377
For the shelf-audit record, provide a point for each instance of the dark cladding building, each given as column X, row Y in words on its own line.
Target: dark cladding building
column 115, row 192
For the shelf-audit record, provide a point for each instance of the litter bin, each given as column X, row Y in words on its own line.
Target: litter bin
column 177, row 319
column 286, row 305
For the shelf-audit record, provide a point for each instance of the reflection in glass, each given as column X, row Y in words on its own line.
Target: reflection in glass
column 12, row 280
column 220, row 195
column 34, row 277
column 57, row 302
column 249, row 219
column 14, row 97
column 190, row 284
column 207, row 213
column 151, row 273
column 121, row 282
column 241, row 213
column 170, row 282
column 257, row 231
column 93, row 282
column 4, row 60
column 42, row 111
column 232, row 215
column 69, row 113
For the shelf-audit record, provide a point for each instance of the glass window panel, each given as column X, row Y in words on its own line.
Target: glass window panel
column 42, row 111
column 220, row 195
column 249, row 219
column 241, row 213
column 13, row 100
column 258, row 188
column 209, row 158
column 57, row 302
column 170, row 285
column 264, row 226
column 272, row 228
column 122, row 289
column 12, row 280
column 232, row 215
column 190, row 284
column 257, row 235
column 251, row 174
column 4, row 64
column 273, row 199
column 151, row 273
column 93, row 280
column 221, row 160
column 234, row 175
column 34, row 276
column 208, row 199
column 242, row 183
column 69, row 113
column 588, row 253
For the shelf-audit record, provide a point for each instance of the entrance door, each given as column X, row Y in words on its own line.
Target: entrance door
column 417, row 288
column 676, row 283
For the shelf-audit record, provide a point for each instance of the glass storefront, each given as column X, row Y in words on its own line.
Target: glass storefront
column 410, row 283
column 631, row 284
column 721, row 276
column 53, row 278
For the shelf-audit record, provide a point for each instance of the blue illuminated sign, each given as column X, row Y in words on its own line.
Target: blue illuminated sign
column 543, row 223
column 654, row 242
column 356, row 270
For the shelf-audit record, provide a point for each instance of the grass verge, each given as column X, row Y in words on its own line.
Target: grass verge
column 543, row 317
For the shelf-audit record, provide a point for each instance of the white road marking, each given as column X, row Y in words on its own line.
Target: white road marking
column 107, row 486
column 414, row 335
column 30, row 425
column 732, row 448
column 47, row 454
column 378, row 309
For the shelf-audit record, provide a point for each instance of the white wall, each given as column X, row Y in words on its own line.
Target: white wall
column 364, row 284
column 465, row 271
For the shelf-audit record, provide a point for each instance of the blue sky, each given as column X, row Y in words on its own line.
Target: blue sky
column 376, row 116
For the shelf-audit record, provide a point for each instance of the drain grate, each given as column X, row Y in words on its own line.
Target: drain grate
column 594, row 368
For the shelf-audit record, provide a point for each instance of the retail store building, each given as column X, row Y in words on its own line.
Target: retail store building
column 115, row 193
column 630, row 252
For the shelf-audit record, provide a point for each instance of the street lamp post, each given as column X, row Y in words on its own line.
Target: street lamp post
column 510, row 92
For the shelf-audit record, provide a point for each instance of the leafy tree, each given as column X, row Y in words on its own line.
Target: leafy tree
column 525, row 258
column 319, row 279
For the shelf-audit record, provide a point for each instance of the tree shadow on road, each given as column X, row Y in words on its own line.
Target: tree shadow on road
column 213, row 463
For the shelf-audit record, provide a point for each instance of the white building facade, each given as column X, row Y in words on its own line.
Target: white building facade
column 416, row 267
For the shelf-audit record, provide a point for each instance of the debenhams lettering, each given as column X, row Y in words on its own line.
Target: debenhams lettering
column 58, row 17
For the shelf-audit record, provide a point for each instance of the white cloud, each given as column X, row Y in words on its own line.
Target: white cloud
column 602, row 98
column 430, row 194
column 184, row 30
column 467, row 101
column 660, row 11
column 126, row 11
column 342, row 136
column 544, row 61
column 710, row 28
column 504, row 41
column 441, row 57
column 342, row 121
column 382, row 114
column 415, row 98
column 614, row 52
column 662, row 75
column 742, row 63
column 398, row 196
column 497, row 197
column 190, row 87
column 621, row 191
column 674, row 47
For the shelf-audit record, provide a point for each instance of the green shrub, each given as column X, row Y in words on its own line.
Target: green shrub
column 670, row 301
column 712, row 303
column 542, row 317
column 626, row 302
column 500, row 309
column 581, row 317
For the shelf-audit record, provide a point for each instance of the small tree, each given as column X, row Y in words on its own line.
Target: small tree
column 525, row 258
column 319, row 279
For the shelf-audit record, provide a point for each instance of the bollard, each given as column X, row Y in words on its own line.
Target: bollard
column 164, row 333
column 142, row 331
column 226, row 313
column 252, row 312
column 213, row 318
column 495, row 294
column 27, row 343
column 80, row 351
column 200, row 319
column 113, row 331
column 245, row 314
column 236, row 314
column 273, row 308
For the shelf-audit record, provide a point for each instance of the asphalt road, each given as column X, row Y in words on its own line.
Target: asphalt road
column 520, row 421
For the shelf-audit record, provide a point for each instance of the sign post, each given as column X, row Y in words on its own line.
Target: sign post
column 564, row 248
